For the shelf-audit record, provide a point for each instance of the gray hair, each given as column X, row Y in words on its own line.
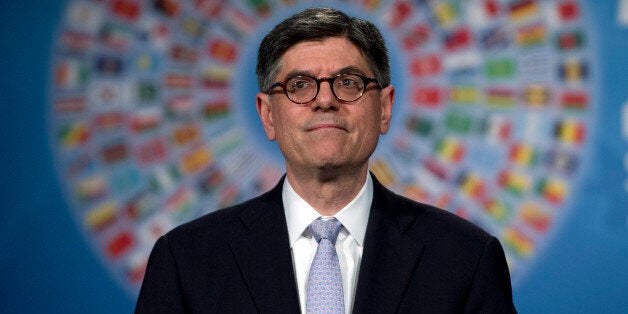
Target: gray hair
column 317, row 24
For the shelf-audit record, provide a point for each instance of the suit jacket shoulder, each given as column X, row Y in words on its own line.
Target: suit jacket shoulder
column 418, row 258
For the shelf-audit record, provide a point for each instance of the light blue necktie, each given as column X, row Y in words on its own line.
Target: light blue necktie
column 324, row 286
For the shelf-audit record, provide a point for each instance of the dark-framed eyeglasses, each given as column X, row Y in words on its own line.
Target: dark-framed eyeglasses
column 302, row 89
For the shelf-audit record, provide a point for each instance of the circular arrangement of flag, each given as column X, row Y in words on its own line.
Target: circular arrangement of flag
column 153, row 121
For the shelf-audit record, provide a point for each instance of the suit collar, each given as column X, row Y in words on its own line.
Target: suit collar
column 391, row 253
column 263, row 254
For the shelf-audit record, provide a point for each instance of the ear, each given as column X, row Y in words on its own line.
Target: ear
column 387, row 98
column 264, row 110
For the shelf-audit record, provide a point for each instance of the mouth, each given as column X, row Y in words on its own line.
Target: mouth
column 326, row 126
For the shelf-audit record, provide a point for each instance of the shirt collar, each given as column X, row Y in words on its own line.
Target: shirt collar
column 354, row 216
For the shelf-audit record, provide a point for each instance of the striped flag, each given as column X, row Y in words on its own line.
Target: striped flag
column 515, row 183
column 450, row 149
column 523, row 154
column 518, row 242
column 553, row 190
column 570, row 131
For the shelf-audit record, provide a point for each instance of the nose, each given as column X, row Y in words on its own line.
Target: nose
column 325, row 99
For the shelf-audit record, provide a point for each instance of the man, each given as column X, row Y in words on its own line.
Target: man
column 326, row 98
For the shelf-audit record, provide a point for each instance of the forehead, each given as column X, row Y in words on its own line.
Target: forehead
column 322, row 58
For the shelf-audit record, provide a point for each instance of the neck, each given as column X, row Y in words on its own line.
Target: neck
column 328, row 191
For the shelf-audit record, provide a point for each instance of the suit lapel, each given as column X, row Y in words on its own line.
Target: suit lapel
column 263, row 255
column 390, row 255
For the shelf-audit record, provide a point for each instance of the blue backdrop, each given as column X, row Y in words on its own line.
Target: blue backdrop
column 48, row 266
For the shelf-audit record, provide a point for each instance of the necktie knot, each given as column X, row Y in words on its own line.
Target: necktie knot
column 325, row 229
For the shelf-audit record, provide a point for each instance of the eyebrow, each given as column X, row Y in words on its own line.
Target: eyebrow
column 346, row 70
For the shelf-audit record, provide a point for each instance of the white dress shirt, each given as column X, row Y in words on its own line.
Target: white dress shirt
column 349, row 244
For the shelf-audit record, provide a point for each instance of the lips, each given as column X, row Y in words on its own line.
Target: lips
column 328, row 123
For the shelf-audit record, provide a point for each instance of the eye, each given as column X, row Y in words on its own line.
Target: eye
column 299, row 83
column 349, row 82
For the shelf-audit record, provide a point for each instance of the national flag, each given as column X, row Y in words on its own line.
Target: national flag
column 229, row 195
column 552, row 189
column 211, row 9
column 531, row 35
column 238, row 23
column 182, row 204
column 164, row 178
column 568, row 10
column 180, row 107
column 146, row 91
column 491, row 8
column 573, row 70
column 126, row 9
column 114, row 152
column 496, row 209
column 169, row 8
column 195, row 160
column 91, row 189
column 502, row 68
column 523, row 10
column 192, row 27
column 462, row 63
column 422, row 126
column 523, row 154
column 536, row 95
column 416, row 193
column 570, row 40
column 70, row 105
column 450, row 149
column 141, row 205
column 535, row 217
column 500, row 97
column 458, row 39
column 223, row 50
column 116, row 36
column 151, row 151
column 416, row 36
column 458, row 122
column 108, row 121
column 471, row 185
column 481, row 12
column 70, row 74
column 574, row 100
column 211, row 180
column 515, row 240
column 74, row 134
column 261, row 7
column 445, row 13
column 564, row 161
column 513, row 182
column 216, row 109
column 462, row 94
column 495, row 37
column 76, row 41
column 217, row 77
column 179, row 81
column 182, row 54
column 497, row 129
column 428, row 65
column 185, row 134
column 381, row 169
column 570, row 131
column 102, row 216
column 135, row 267
column 399, row 13
column 80, row 164
column 119, row 244
column 436, row 169
column 156, row 226
column 84, row 16
column 430, row 97
column 145, row 120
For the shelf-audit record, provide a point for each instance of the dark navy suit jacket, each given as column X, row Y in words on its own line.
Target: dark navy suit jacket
column 416, row 259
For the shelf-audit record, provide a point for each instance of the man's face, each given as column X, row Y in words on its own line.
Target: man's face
column 326, row 133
